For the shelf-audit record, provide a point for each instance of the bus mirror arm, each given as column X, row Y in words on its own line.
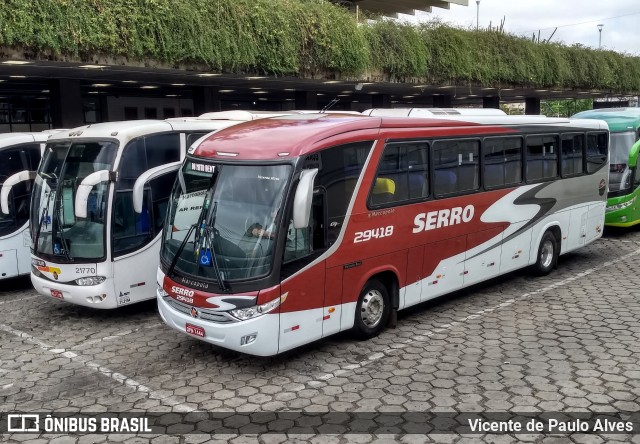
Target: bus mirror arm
column 9, row 183
column 85, row 187
column 303, row 199
column 138, row 187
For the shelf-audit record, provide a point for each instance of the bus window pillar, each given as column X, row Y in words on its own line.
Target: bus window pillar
column 205, row 100
column 491, row 102
column 66, row 103
column 532, row 106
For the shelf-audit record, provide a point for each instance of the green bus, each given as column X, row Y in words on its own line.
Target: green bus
column 623, row 203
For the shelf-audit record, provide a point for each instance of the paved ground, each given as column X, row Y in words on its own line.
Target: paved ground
column 566, row 342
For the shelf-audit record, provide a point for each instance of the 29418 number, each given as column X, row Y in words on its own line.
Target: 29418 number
column 375, row 233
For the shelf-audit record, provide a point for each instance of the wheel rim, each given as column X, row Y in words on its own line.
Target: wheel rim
column 546, row 253
column 372, row 308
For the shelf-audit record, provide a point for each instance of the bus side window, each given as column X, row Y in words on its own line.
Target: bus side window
column 403, row 174
column 24, row 157
column 597, row 150
column 302, row 242
column 502, row 161
column 456, row 166
column 131, row 230
column 542, row 158
column 162, row 149
column 572, row 153
column 160, row 191
column 339, row 169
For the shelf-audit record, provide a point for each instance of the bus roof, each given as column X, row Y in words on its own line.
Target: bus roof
column 432, row 112
column 10, row 139
column 296, row 135
column 618, row 119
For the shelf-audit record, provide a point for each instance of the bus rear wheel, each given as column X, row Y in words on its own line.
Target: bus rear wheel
column 372, row 310
column 547, row 255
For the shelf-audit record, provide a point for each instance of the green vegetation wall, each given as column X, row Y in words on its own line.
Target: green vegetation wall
column 306, row 38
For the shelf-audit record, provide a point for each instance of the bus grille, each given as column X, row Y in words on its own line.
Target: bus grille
column 207, row 315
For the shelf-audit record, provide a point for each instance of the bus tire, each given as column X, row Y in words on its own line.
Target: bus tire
column 372, row 310
column 547, row 255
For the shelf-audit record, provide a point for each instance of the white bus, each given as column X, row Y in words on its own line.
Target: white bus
column 348, row 219
column 20, row 155
column 93, row 244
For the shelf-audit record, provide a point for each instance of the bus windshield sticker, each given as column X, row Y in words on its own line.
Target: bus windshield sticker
column 203, row 167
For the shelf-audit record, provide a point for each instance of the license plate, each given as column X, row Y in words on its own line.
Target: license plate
column 194, row 330
column 57, row 294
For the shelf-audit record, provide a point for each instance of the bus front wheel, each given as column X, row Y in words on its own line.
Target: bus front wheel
column 372, row 310
column 547, row 255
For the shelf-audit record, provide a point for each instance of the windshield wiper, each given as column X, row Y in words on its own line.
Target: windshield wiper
column 207, row 241
column 63, row 239
column 179, row 251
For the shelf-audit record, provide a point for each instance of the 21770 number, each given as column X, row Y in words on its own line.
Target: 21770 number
column 85, row 270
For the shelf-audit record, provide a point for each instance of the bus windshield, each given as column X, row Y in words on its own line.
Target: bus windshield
column 620, row 174
column 55, row 229
column 222, row 218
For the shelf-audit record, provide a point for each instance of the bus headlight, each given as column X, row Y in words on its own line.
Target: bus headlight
column 620, row 206
column 244, row 314
column 92, row 280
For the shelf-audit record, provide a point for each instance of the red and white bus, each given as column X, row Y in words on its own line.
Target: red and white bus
column 283, row 231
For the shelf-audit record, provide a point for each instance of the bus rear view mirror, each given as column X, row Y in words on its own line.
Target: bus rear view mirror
column 138, row 187
column 84, row 189
column 303, row 199
column 9, row 183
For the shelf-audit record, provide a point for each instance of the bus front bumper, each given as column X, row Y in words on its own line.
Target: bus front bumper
column 258, row 336
column 94, row 296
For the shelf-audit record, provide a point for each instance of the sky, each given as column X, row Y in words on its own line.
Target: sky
column 576, row 20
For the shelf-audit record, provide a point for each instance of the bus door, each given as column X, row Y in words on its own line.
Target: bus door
column 301, row 317
column 135, row 236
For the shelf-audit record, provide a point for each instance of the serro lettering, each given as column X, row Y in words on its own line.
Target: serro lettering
column 443, row 218
column 182, row 291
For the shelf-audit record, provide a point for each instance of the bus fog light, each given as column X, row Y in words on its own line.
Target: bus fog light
column 92, row 280
column 258, row 310
column 248, row 339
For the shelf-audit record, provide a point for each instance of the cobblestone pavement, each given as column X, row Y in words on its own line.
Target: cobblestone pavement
column 566, row 342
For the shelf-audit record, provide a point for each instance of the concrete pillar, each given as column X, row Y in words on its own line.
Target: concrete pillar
column 381, row 101
column 491, row 102
column 306, row 100
column 442, row 101
column 205, row 100
column 66, row 103
column 532, row 106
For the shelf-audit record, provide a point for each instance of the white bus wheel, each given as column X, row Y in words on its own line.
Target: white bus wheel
column 547, row 255
column 372, row 310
